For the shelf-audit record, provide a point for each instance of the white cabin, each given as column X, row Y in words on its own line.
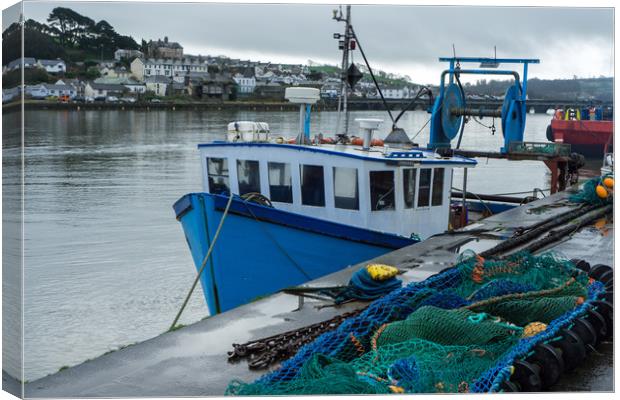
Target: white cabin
column 399, row 191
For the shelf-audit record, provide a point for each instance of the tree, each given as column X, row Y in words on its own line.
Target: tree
column 71, row 25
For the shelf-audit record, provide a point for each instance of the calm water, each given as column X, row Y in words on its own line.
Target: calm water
column 106, row 263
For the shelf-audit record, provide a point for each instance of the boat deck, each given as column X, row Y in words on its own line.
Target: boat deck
column 192, row 361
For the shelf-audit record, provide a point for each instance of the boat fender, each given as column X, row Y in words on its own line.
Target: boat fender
column 527, row 376
column 508, row 386
column 585, row 331
column 549, row 134
column 606, row 309
column 608, row 182
column 609, row 285
column 550, row 362
column 608, row 296
column 581, row 264
column 598, row 270
column 571, row 348
column 598, row 323
column 606, row 276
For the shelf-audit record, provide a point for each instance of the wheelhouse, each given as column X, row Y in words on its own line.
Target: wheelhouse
column 405, row 192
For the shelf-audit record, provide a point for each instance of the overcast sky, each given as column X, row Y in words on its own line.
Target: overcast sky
column 398, row 39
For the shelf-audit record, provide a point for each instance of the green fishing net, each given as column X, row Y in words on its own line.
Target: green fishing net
column 454, row 332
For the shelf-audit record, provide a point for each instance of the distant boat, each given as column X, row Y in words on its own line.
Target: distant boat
column 550, row 111
column 587, row 130
column 532, row 111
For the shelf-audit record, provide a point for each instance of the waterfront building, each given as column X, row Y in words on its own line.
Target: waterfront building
column 79, row 86
column 330, row 90
column 246, row 82
column 125, row 54
column 95, row 90
column 36, row 91
column 171, row 68
column 52, row 66
column 60, row 90
column 158, row 84
column 164, row 49
column 29, row 62
column 10, row 94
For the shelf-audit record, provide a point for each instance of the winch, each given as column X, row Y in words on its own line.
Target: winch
column 450, row 107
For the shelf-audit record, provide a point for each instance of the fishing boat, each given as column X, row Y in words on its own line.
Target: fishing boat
column 589, row 131
column 295, row 212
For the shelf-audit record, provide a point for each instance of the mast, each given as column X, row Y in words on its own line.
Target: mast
column 345, row 46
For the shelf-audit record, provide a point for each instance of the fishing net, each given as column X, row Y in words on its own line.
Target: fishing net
column 595, row 191
column 458, row 331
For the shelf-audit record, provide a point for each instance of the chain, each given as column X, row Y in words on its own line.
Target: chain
column 262, row 353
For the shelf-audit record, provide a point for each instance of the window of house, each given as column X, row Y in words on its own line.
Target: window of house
column 382, row 190
column 280, row 182
column 409, row 178
column 438, row 177
column 217, row 171
column 425, row 187
column 248, row 176
column 312, row 185
column 346, row 192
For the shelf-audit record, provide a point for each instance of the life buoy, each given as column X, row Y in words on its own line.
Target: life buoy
column 357, row 141
column 550, row 134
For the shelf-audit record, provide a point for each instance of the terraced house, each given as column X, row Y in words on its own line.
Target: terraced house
column 176, row 69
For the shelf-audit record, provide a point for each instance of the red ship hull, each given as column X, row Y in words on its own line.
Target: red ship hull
column 586, row 137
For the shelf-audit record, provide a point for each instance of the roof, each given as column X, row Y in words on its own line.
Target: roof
column 16, row 63
column 173, row 61
column 416, row 155
column 51, row 62
column 156, row 79
column 107, row 86
column 58, row 87
column 169, row 45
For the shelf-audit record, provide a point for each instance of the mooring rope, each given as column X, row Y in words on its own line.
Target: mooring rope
column 204, row 262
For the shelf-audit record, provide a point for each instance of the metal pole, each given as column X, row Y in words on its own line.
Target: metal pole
column 345, row 64
column 464, row 209
column 302, row 120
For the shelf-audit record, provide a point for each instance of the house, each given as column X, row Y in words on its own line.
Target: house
column 330, row 90
column 215, row 85
column 134, row 86
column 106, row 63
column 164, row 49
column 158, row 84
column 246, row 82
column 114, row 72
column 52, row 66
column 95, row 90
column 29, row 62
column 37, row 91
column 178, row 89
column 79, row 86
column 123, row 54
column 10, row 94
column 172, row 68
column 60, row 90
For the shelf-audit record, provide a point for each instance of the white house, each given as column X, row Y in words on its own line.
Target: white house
column 127, row 54
column 94, row 90
column 246, row 82
column 52, row 66
column 157, row 84
column 135, row 87
column 37, row 91
column 170, row 67
column 60, row 90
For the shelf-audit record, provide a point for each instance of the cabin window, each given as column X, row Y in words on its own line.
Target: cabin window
column 312, row 185
column 409, row 178
column 382, row 190
column 346, row 192
column 248, row 177
column 217, row 170
column 425, row 187
column 280, row 182
column 437, row 187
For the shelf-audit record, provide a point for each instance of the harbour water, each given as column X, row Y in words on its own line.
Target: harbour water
column 106, row 263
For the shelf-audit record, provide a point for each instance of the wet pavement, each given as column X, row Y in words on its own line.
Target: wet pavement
column 192, row 361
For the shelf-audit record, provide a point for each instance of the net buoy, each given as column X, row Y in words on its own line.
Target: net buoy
column 533, row 328
column 608, row 182
column 601, row 192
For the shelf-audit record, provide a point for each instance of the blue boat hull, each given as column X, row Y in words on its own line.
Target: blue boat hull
column 261, row 250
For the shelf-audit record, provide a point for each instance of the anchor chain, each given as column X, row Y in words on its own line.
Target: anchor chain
column 262, row 353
